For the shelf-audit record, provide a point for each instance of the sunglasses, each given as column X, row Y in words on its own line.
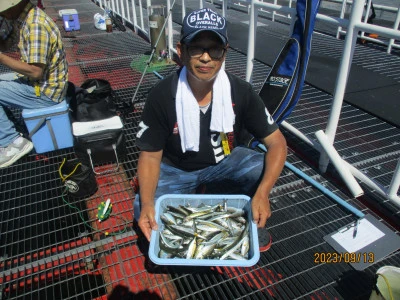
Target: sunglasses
column 214, row 52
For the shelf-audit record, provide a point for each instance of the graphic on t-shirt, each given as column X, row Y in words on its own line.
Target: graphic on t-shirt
column 176, row 130
column 143, row 127
column 269, row 117
column 216, row 143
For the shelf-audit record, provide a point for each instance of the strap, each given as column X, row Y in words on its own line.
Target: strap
column 89, row 152
column 50, row 127
column 70, row 174
column 37, row 127
column 53, row 136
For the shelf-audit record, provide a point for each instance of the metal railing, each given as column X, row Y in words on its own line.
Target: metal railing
column 369, row 9
column 326, row 139
column 127, row 11
column 354, row 25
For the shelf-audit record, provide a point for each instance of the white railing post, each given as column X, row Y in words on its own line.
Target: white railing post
column 112, row 5
column 183, row 9
column 395, row 183
column 122, row 14
column 141, row 15
column 339, row 164
column 128, row 13
column 170, row 29
column 341, row 80
column 274, row 11
column 342, row 12
column 135, row 24
column 252, row 40
column 365, row 20
column 224, row 7
column 395, row 27
column 117, row 9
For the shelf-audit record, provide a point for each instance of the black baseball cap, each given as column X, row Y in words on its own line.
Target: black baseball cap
column 203, row 20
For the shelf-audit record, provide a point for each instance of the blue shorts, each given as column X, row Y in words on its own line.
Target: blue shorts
column 238, row 173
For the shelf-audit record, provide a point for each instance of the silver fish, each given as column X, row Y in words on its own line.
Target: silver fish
column 167, row 218
column 191, row 249
column 204, row 232
column 203, row 251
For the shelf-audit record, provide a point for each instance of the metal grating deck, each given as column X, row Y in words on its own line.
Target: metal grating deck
column 53, row 247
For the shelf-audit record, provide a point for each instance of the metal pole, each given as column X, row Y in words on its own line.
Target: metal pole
column 357, row 173
column 135, row 24
column 341, row 79
column 183, row 9
column 170, row 31
column 337, row 161
column 128, row 17
column 395, row 183
column 141, row 15
column 395, row 26
column 251, row 41
column 320, row 187
column 224, row 7
column 342, row 11
column 152, row 53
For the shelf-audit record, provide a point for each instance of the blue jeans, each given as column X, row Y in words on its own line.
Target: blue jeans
column 238, row 173
column 19, row 94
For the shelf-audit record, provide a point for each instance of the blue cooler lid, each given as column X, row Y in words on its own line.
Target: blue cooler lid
column 54, row 109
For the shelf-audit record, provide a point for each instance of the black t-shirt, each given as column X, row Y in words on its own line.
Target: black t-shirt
column 158, row 129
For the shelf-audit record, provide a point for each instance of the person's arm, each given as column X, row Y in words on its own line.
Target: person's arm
column 274, row 162
column 33, row 71
column 148, row 174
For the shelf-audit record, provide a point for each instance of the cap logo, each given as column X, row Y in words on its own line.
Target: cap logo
column 206, row 19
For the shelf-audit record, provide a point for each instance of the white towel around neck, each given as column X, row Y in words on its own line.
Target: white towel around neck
column 188, row 110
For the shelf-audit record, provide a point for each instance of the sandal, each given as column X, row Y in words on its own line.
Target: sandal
column 264, row 239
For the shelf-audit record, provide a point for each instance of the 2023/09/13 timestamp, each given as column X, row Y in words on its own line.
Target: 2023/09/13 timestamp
column 345, row 257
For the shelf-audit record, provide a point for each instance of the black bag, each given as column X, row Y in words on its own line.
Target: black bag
column 78, row 178
column 94, row 101
column 97, row 129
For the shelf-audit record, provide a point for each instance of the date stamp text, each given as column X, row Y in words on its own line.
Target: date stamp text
column 345, row 257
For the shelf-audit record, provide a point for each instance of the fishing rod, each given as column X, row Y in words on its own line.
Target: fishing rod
column 152, row 52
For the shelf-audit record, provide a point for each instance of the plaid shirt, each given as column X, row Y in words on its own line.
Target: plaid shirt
column 40, row 42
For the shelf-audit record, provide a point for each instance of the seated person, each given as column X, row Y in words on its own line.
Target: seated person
column 191, row 123
column 41, row 73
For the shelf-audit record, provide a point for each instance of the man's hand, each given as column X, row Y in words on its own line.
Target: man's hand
column 261, row 210
column 147, row 221
column 274, row 163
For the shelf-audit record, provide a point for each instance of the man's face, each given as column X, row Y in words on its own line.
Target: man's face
column 201, row 65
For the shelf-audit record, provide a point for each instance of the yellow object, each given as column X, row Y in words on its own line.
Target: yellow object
column 388, row 284
column 73, row 171
column 225, row 144
column 37, row 91
column 104, row 210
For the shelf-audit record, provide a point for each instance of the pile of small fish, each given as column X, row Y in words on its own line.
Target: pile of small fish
column 204, row 232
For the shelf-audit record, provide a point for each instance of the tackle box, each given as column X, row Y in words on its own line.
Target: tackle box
column 49, row 127
column 70, row 19
column 237, row 201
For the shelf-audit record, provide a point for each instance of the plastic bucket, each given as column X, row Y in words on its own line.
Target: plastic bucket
column 387, row 285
